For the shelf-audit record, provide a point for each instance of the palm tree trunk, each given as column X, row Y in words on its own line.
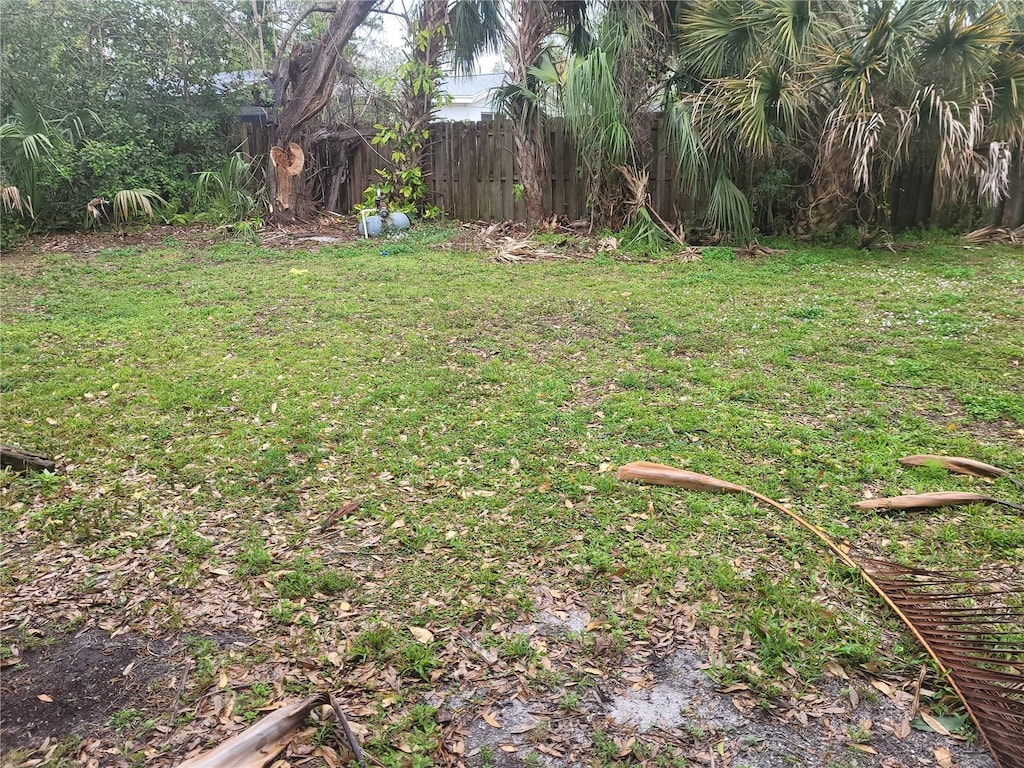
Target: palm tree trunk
column 1013, row 206
column 419, row 103
column 534, row 173
column 533, row 23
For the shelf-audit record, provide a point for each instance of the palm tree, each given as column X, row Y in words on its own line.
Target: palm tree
column 530, row 72
column 608, row 98
column 853, row 93
column 30, row 142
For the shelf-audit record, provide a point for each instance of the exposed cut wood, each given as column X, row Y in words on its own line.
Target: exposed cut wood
column 260, row 743
column 288, row 163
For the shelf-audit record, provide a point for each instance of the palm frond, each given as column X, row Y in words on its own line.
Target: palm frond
column 35, row 146
column 965, row 624
column 971, row 625
column 959, row 50
column 131, row 203
column 227, row 190
column 994, row 173
column 571, row 17
column 1007, row 82
column 474, row 27
column 765, row 103
column 593, row 110
column 12, row 200
column 720, row 37
column 794, row 26
column 960, row 466
column 684, row 142
column 861, row 136
column 729, row 210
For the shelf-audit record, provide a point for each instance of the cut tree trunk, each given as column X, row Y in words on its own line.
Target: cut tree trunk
column 303, row 83
column 21, row 460
column 287, row 163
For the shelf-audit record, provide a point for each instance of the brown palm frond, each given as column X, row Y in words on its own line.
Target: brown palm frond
column 966, row 624
column 966, row 627
column 935, row 500
column 996, row 235
column 12, row 200
column 960, row 465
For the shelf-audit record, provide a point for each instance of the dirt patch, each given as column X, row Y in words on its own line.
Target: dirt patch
column 683, row 698
column 76, row 684
column 824, row 728
column 668, row 708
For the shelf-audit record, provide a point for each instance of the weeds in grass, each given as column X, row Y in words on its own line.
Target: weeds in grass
column 374, row 644
column 306, row 578
column 255, row 559
column 517, row 647
column 124, row 718
column 203, row 654
column 417, row 660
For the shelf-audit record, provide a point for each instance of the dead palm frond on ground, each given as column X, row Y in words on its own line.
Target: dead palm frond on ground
column 970, row 624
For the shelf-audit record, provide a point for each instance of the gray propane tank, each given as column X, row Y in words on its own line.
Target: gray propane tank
column 397, row 220
column 370, row 226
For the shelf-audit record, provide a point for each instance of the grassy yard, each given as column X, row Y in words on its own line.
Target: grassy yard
column 214, row 408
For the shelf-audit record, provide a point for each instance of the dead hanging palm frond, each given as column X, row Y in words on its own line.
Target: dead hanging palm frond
column 994, row 172
column 969, row 629
column 12, row 200
column 960, row 465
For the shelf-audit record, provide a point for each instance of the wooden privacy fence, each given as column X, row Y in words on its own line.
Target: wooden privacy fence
column 473, row 174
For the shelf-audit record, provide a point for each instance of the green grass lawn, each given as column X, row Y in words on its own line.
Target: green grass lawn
column 214, row 407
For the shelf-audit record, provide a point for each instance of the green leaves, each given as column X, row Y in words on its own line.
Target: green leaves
column 728, row 207
column 226, row 194
column 132, row 203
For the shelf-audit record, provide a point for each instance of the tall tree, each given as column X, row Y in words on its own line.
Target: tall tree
column 609, row 99
column 442, row 35
column 303, row 83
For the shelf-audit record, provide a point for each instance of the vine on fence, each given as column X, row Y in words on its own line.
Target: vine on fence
column 402, row 183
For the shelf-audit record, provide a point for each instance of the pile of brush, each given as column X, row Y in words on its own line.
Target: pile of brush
column 996, row 236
